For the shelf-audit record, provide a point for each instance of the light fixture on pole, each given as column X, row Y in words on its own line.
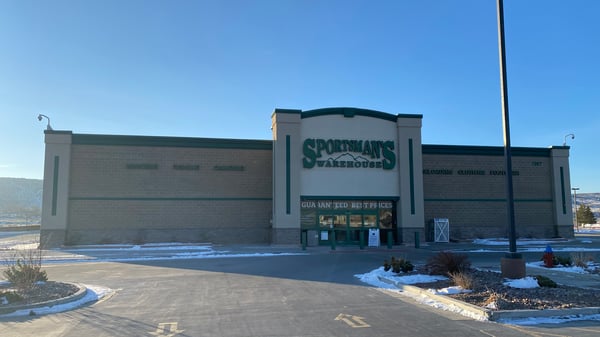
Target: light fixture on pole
column 572, row 135
column 48, row 127
column 575, row 189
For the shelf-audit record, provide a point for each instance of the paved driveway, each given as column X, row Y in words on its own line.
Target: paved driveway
column 310, row 295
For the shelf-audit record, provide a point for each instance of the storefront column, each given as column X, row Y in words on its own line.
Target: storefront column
column 563, row 212
column 410, row 207
column 286, row 176
column 55, row 199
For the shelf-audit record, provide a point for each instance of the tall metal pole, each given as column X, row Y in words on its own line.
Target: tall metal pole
column 575, row 189
column 510, row 203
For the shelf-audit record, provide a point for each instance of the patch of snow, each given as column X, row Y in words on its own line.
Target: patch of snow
column 447, row 307
column 93, row 293
column 522, row 283
column 571, row 269
column 492, row 305
column 373, row 279
column 449, row 290
column 550, row 320
column 418, row 278
column 504, row 242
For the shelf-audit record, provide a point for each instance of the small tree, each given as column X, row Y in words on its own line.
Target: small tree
column 26, row 269
column 585, row 215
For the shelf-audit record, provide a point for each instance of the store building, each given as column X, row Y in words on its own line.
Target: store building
column 328, row 174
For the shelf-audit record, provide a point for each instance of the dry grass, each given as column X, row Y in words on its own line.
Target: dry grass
column 581, row 259
column 462, row 279
column 444, row 263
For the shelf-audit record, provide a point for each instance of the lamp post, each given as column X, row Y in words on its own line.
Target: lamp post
column 575, row 189
column 513, row 264
column 567, row 136
column 40, row 116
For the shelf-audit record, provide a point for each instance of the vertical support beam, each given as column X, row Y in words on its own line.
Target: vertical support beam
column 410, row 216
column 561, row 189
column 286, row 176
column 55, row 198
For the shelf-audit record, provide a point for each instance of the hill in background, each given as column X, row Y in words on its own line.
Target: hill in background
column 20, row 201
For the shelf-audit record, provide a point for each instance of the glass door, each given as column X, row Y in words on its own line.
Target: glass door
column 341, row 228
column 356, row 223
column 346, row 227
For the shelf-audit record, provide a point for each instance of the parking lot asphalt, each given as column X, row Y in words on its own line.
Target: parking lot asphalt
column 323, row 279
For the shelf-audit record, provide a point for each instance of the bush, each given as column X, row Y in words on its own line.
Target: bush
column 463, row 279
column 581, row 259
column 26, row 270
column 563, row 261
column 9, row 297
column 398, row 265
column 445, row 263
column 544, row 281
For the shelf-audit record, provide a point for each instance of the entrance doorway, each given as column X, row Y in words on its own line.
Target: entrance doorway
column 346, row 226
column 343, row 220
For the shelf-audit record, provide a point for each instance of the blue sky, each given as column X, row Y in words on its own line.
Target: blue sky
column 220, row 68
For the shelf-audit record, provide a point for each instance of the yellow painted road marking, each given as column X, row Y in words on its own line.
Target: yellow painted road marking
column 166, row 330
column 353, row 321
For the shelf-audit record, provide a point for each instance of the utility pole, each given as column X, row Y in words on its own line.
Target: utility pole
column 575, row 189
column 513, row 264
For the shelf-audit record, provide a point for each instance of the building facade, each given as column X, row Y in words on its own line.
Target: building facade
column 328, row 174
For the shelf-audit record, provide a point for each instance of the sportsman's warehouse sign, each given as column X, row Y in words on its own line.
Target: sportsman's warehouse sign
column 348, row 153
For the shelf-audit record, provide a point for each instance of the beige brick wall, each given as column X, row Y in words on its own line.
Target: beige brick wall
column 474, row 203
column 223, row 196
column 140, row 194
column 101, row 171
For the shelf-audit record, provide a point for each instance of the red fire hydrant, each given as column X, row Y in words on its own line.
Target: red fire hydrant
column 548, row 257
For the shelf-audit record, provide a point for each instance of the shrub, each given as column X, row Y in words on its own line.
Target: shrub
column 463, row 279
column 9, row 297
column 544, row 281
column 398, row 265
column 444, row 263
column 402, row 265
column 563, row 261
column 581, row 259
column 386, row 265
column 26, row 270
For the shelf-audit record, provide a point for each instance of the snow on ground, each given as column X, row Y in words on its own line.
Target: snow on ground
column 523, row 283
column 94, row 293
column 375, row 277
column 533, row 245
column 592, row 267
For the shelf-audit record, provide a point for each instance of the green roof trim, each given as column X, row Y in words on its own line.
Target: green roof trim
column 349, row 113
column 218, row 143
column 483, row 200
column 419, row 116
column 170, row 198
column 473, row 150
column 58, row 132
column 333, row 197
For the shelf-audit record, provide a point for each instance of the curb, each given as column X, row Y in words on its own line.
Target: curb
column 79, row 294
column 492, row 315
